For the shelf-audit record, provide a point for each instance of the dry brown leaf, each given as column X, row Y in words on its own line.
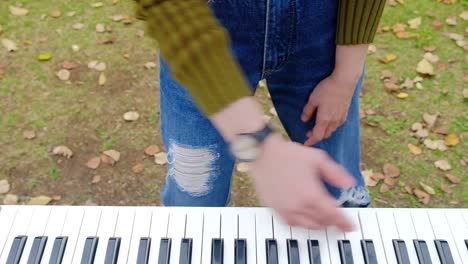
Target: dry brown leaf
column 96, row 179
column 78, row 26
column 69, row 65
column 377, row 176
column 63, row 74
column 391, row 87
column 371, row 49
column 408, row 83
column 416, row 126
column 4, row 186
column 56, row 197
column 160, row 158
column 451, row 140
column 116, row 18
column 414, row 149
column 106, row 159
column 454, row 202
column 430, row 48
column 105, row 41
column 242, row 167
column 429, row 119
column 10, row 199
column 431, row 57
column 29, row 134
column 422, row 196
column 367, row 178
column 464, row 15
column 114, row 154
column 452, row 178
column 399, row 28
column 93, row 163
column 141, row 33
column 435, row 144
column 18, row 11
column 55, row 13
column 437, row 24
column 427, row 188
column 451, row 20
column 71, row 13
column 385, row 188
column 152, row 150
column 386, row 74
column 9, row 44
column 63, row 151
column 425, row 67
column 150, row 65
column 422, row 133
column 445, row 188
column 391, row 170
column 390, row 181
column 443, row 165
column 442, row 130
column 138, row 168
column 92, row 64
column 40, row 200
column 408, row 189
column 415, row 22
column 131, row 116
column 102, row 79
column 100, row 28
column 100, row 66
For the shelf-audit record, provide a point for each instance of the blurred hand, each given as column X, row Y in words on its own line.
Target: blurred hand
column 287, row 178
column 330, row 100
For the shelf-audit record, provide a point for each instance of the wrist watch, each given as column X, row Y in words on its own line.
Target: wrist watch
column 246, row 147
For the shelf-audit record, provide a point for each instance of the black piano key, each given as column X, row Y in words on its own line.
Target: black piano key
column 16, row 250
column 271, row 251
column 89, row 251
column 164, row 251
column 293, row 251
column 400, row 251
column 37, row 250
column 443, row 249
column 217, row 251
column 58, row 250
column 144, row 250
column 185, row 251
column 314, row 251
column 422, row 251
column 368, row 251
column 112, row 251
column 346, row 254
column 240, row 251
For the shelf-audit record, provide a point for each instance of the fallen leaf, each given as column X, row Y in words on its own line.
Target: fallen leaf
column 152, row 150
column 371, row 49
column 437, row 24
column 452, row 178
column 44, row 57
column 138, row 168
column 454, row 36
column 141, row 33
column 391, row 170
column 93, row 163
column 92, row 64
column 431, row 57
column 429, row 48
column 105, row 41
column 451, row 140
column 114, row 154
column 435, row 144
column 391, row 87
column 402, row 95
column 55, row 13
column 131, row 116
column 29, row 134
column 63, row 74
column 390, row 181
column 425, row 67
column 102, row 79
column 414, row 23
column 4, row 186
column 18, row 11
column 69, row 65
column 78, row 26
column 63, row 151
column 150, row 65
column 414, row 149
column 71, row 13
column 422, row 196
column 417, row 79
column 451, row 20
column 445, row 188
column 97, row 4
column 96, row 179
column 9, row 44
column 106, row 159
column 40, row 200
column 160, row 158
column 454, row 202
column 56, row 197
column 416, row 126
column 465, row 93
column 430, row 119
column 422, row 133
column 386, row 74
column 10, row 199
column 388, row 58
column 408, row 84
column 273, row 112
column 384, row 188
column 419, row 86
column 399, row 28
column 100, row 66
column 408, row 189
column 443, row 165
column 442, row 130
column 75, row 48
column 100, row 28
column 464, row 15
column 116, row 18
column 427, row 188
column 242, row 167
column 127, row 20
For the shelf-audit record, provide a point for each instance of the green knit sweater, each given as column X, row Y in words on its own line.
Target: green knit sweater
column 196, row 46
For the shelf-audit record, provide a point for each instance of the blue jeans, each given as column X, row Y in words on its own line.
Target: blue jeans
column 291, row 44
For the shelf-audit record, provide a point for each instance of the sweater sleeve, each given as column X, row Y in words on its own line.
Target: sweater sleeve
column 196, row 47
column 358, row 20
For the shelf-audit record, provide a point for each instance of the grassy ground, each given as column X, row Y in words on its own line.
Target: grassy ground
column 87, row 117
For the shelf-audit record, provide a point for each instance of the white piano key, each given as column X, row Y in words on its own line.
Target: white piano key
column 71, row 229
column 465, row 215
column 106, row 230
column 211, row 229
column 281, row 232
column 19, row 227
column 159, row 223
column 36, row 228
column 89, row 227
column 301, row 234
column 194, row 230
column 264, row 230
column 333, row 235
column 229, row 234
column 424, row 231
column 247, row 232
column 176, row 231
column 441, row 229
column 371, row 230
column 141, row 228
column 388, row 231
column 7, row 216
column 123, row 229
column 405, row 227
column 355, row 236
column 54, row 229
column 321, row 236
column 459, row 231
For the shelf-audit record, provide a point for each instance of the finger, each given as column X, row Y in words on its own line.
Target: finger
column 333, row 215
column 317, row 133
column 334, row 174
column 305, row 220
column 330, row 129
column 308, row 111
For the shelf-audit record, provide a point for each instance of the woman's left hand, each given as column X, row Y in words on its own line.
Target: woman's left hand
column 330, row 100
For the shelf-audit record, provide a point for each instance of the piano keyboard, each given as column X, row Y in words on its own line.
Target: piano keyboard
column 169, row 235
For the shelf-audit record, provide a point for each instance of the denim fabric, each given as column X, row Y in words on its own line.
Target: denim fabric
column 291, row 44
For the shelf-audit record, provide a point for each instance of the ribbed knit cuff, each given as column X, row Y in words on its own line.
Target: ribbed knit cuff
column 196, row 48
column 358, row 21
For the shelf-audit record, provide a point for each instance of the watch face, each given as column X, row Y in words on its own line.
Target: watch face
column 245, row 148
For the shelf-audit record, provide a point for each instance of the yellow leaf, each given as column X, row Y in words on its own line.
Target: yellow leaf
column 55, row 13
column 402, row 95
column 451, row 140
column 391, row 57
column 18, row 11
column 414, row 23
column 44, row 57
column 425, row 67
column 102, row 79
column 414, row 149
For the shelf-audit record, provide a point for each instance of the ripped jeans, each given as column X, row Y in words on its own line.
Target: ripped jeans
column 291, row 44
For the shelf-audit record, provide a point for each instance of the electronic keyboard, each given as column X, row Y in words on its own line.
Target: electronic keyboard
column 213, row 235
